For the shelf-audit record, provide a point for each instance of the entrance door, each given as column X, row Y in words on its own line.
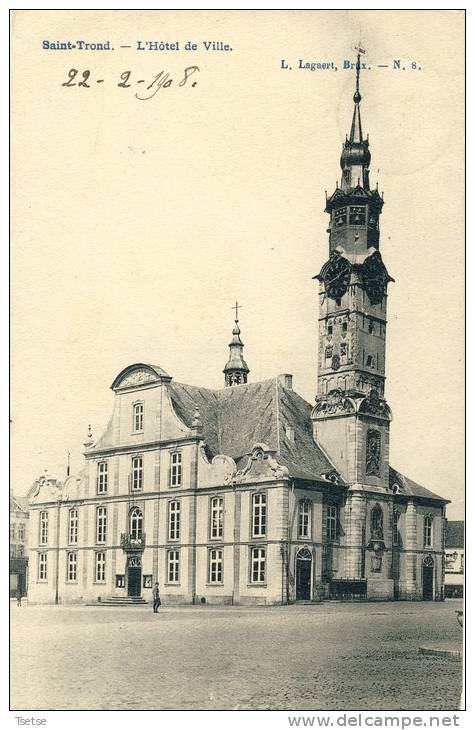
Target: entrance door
column 134, row 577
column 428, row 579
column 304, row 575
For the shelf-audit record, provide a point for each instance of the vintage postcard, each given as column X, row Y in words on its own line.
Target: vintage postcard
column 237, row 477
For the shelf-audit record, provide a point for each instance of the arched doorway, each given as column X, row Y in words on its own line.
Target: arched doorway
column 428, row 578
column 134, row 576
column 303, row 572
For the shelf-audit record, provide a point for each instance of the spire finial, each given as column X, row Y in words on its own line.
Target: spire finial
column 359, row 50
column 237, row 307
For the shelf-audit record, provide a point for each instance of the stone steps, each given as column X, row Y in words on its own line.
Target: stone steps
column 121, row 601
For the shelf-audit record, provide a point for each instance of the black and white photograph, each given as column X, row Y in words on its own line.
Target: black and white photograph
column 237, row 362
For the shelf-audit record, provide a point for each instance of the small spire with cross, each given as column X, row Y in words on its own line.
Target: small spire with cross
column 236, row 369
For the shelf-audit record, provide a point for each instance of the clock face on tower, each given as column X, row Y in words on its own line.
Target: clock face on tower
column 337, row 278
column 375, row 277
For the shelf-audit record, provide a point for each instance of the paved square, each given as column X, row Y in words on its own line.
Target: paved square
column 330, row 656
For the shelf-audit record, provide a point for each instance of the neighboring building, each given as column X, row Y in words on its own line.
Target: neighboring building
column 18, row 546
column 454, row 559
column 248, row 494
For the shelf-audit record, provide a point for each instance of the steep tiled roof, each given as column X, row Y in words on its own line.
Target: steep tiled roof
column 454, row 536
column 235, row 419
column 411, row 489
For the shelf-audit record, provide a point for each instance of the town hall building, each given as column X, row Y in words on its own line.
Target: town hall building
column 249, row 494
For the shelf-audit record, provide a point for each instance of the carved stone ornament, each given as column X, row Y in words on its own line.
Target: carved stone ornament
column 138, row 377
column 374, row 405
column 333, row 404
column 373, row 453
column 261, row 464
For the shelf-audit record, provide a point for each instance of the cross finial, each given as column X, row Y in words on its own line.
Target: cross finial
column 237, row 307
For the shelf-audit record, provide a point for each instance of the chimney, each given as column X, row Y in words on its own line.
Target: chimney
column 286, row 380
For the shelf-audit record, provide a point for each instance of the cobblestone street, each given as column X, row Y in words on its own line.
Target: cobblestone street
column 330, row 656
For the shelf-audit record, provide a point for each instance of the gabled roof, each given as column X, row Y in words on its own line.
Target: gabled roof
column 409, row 488
column 235, row 419
column 18, row 504
column 454, row 534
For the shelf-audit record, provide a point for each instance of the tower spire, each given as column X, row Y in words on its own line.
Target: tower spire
column 356, row 157
column 236, row 369
column 356, row 134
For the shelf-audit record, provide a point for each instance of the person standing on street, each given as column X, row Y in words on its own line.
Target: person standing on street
column 156, row 598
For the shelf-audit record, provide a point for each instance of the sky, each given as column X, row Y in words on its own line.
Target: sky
column 137, row 224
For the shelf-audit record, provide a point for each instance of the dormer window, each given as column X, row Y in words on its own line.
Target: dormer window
column 138, row 417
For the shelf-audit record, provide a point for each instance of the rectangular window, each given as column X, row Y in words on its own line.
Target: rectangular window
column 258, row 565
column 216, row 518
column 176, row 469
column 304, row 518
column 174, row 520
column 73, row 527
column 21, row 532
column 332, row 518
column 137, row 474
column 328, row 352
column 428, row 523
column 215, row 565
column 259, row 515
column 173, row 566
column 100, row 571
column 20, row 551
column 371, row 326
column 147, row 581
column 43, row 528
column 343, row 349
column 12, row 532
column 101, row 525
column 369, row 361
column 101, row 477
column 344, row 327
column 42, row 566
column 138, row 417
column 329, row 329
column 72, row 567
column 120, row 581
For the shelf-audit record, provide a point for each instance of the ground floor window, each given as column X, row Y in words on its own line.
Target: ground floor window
column 42, row 566
column 119, row 580
column 72, row 567
column 100, row 571
column 215, row 565
column 147, row 581
column 173, row 566
column 258, row 565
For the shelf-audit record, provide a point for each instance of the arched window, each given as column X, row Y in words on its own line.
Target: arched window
column 305, row 518
column 428, row 531
column 135, row 524
column 377, row 523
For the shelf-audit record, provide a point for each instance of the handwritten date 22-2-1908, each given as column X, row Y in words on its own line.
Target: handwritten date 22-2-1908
column 162, row 80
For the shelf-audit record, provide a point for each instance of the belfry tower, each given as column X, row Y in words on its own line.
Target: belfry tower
column 351, row 417
column 236, row 369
